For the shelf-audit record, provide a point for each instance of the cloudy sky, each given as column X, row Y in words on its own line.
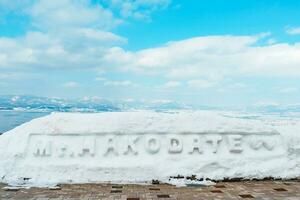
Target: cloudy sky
column 208, row 52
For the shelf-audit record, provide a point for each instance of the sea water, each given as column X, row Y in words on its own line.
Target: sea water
column 12, row 119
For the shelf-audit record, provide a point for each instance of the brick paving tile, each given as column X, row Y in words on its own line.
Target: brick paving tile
column 260, row 190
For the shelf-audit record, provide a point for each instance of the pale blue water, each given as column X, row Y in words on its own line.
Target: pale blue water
column 16, row 110
column 12, row 119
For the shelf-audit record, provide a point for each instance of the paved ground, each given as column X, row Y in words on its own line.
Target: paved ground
column 283, row 190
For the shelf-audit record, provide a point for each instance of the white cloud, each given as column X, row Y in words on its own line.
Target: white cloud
column 39, row 50
column 16, row 5
column 139, row 9
column 293, row 30
column 206, row 58
column 263, row 103
column 171, row 85
column 100, row 79
column 236, row 86
column 120, row 83
column 212, row 57
column 61, row 14
column 202, row 84
column 69, row 34
column 74, row 34
column 232, row 87
column 287, row 90
column 71, row 84
column 11, row 76
column 194, row 57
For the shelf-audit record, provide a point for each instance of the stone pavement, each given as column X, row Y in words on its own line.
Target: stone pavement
column 283, row 190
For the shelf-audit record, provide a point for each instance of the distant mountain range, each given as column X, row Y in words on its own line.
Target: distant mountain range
column 96, row 104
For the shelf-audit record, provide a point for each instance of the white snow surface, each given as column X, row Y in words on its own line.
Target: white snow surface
column 136, row 147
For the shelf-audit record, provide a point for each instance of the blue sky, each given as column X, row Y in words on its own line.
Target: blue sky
column 217, row 53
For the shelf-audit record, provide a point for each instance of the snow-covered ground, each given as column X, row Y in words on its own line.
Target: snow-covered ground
column 140, row 146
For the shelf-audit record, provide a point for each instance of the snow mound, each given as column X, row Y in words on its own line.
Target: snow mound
column 137, row 147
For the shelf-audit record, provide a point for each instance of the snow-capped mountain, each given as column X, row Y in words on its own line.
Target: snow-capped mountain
column 91, row 104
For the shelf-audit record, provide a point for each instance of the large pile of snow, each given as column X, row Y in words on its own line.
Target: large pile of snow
column 136, row 147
